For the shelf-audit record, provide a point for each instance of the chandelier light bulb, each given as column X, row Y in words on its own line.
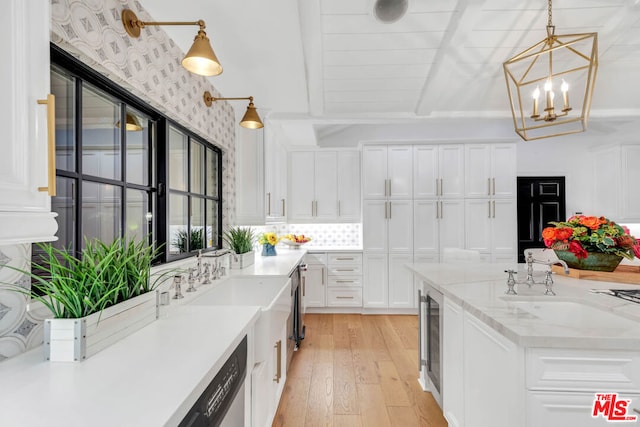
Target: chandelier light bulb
column 535, row 95
column 565, row 96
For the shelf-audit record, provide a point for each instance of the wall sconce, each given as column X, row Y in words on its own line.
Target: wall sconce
column 251, row 120
column 199, row 60
column 132, row 123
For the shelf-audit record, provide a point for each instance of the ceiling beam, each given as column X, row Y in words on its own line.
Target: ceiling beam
column 311, row 31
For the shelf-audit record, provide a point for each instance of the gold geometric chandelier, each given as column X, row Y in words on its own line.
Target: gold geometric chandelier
column 557, row 62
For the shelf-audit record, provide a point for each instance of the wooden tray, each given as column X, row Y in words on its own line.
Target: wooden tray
column 622, row 274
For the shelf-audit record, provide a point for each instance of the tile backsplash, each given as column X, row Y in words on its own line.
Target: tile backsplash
column 322, row 235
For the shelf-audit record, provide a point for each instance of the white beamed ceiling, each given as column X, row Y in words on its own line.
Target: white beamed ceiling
column 327, row 60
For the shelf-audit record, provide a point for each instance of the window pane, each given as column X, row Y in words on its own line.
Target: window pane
column 212, row 224
column 196, row 236
column 100, row 135
column 178, row 168
column 178, row 236
column 212, row 173
column 138, row 222
column 197, row 168
column 137, row 144
column 64, row 204
column 62, row 87
column 101, row 211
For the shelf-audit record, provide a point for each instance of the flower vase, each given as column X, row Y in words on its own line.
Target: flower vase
column 268, row 250
column 595, row 261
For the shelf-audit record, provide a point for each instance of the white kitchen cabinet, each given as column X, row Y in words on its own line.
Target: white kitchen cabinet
column 375, row 289
column 438, row 171
column 250, row 177
column 387, row 171
column 387, row 226
column 438, row 224
column 452, row 363
column 275, row 180
column 344, row 280
column 491, row 226
column 615, row 174
column 314, row 281
column 349, row 198
column 324, row 186
column 490, row 170
column 27, row 164
column 401, row 286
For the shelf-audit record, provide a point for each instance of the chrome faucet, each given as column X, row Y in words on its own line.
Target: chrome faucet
column 199, row 262
column 531, row 260
column 177, row 283
column 191, row 280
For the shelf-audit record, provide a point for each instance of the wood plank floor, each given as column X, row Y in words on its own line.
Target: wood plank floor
column 355, row 370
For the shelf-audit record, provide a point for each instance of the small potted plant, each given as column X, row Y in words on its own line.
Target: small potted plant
column 240, row 241
column 96, row 299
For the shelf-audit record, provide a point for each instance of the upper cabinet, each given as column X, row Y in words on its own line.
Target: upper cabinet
column 275, row 180
column 438, row 171
column 616, row 173
column 387, row 171
column 27, row 112
column 490, row 170
column 324, row 186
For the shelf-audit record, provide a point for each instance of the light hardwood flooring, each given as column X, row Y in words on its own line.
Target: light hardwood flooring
column 357, row 370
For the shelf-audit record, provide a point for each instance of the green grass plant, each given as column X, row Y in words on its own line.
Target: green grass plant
column 240, row 239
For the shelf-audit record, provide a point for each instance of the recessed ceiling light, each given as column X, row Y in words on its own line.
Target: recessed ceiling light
column 389, row 11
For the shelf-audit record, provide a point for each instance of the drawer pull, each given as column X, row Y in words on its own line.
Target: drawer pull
column 344, row 259
column 345, row 269
column 344, row 281
column 339, row 297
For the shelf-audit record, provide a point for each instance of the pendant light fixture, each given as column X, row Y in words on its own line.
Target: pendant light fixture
column 250, row 120
column 132, row 123
column 559, row 62
column 200, row 59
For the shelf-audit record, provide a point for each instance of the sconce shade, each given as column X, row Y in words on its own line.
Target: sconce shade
column 201, row 59
column 133, row 124
column 251, row 120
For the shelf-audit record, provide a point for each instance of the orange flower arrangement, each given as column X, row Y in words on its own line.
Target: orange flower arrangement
column 582, row 234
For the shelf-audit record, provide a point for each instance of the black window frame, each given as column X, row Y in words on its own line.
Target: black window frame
column 158, row 162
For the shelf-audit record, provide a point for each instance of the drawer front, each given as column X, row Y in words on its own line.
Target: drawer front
column 349, row 281
column 583, row 370
column 337, row 258
column 315, row 258
column 344, row 297
column 345, row 270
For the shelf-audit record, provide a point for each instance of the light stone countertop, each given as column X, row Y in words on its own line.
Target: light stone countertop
column 150, row 378
column 595, row 322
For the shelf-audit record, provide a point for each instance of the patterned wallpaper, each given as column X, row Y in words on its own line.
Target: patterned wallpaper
column 149, row 67
column 348, row 235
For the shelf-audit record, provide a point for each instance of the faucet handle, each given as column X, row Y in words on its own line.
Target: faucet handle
column 511, row 281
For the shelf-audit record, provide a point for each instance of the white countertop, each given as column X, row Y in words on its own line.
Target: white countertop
column 279, row 265
column 150, row 378
column 334, row 249
column 480, row 290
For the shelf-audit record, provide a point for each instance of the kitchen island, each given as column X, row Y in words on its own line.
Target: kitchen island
column 528, row 359
column 150, row 378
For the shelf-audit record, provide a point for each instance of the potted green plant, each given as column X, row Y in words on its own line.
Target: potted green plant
column 96, row 299
column 240, row 241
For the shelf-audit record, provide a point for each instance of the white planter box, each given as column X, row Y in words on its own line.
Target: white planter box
column 243, row 260
column 74, row 340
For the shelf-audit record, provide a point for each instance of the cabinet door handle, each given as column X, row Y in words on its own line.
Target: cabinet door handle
column 50, row 102
column 385, row 210
column 489, row 205
column 283, row 208
column 488, row 186
column 385, row 188
column 345, row 269
column 441, row 210
column 344, row 281
column 278, row 348
column 344, row 259
column 494, row 186
column 268, row 204
column 389, row 187
column 340, row 297
column 441, row 186
column 494, row 208
column 304, row 285
column 322, row 276
column 389, row 210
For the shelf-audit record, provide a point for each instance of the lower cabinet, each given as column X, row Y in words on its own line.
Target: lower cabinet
column 344, row 280
column 487, row 380
column 314, row 281
column 267, row 382
column 387, row 282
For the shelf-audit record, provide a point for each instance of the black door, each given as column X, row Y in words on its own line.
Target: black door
column 540, row 200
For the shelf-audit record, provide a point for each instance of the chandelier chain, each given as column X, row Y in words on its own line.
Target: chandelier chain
column 549, row 24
